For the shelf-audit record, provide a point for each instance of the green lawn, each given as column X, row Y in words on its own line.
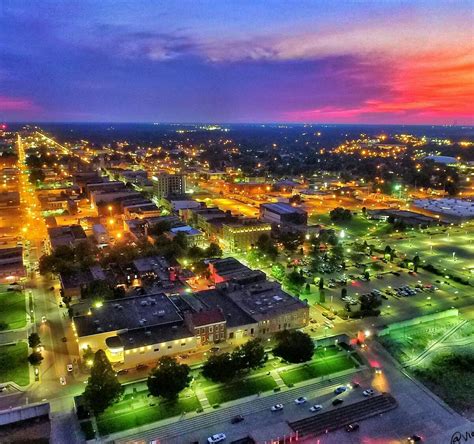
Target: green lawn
column 358, row 226
column 319, row 367
column 14, row 364
column 12, row 309
column 408, row 342
column 139, row 410
column 449, row 375
column 239, row 389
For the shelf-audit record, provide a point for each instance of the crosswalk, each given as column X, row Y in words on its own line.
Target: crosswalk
column 181, row 426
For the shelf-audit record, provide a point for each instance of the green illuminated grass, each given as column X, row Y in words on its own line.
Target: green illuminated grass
column 240, row 389
column 138, row 411
column 14, row 364
column 317, row 368
column 12, row 309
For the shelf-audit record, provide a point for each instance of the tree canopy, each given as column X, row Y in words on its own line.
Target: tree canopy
column 103, row 387
column 294, row 346
column 168, row 378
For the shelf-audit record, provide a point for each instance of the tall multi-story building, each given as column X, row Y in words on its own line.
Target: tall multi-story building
column 168, row 184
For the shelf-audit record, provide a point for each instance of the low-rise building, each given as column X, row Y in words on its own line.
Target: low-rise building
column 11, row 264
column 282, row 213
column 69, row 235
column 101, row 235
column 239, row 236
column 134, row 330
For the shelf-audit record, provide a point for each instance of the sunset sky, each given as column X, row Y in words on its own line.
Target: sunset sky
column 237, row 61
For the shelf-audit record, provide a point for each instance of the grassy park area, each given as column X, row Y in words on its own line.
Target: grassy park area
column 12, row 310
column 358, row 226
column 449, row 375
column 320, row 366
column 137, row 409
column 240, row 389
column 408, row 342
column 14, row 364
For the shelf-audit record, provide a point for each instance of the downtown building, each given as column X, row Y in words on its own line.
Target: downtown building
column 168, row 184
column 143, row 328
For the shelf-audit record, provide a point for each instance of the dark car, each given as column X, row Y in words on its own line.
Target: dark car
column 352, row 427
column 337, row 401
column 414, row 438
column 237, row 419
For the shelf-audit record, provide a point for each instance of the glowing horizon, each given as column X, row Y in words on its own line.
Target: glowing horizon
column 354, row 62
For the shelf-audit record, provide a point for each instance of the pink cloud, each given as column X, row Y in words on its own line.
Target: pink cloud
column 17, row 104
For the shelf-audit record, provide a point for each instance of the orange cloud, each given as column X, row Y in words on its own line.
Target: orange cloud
column 423, row 88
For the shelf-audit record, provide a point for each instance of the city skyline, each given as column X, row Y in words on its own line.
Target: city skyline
column 357, row 62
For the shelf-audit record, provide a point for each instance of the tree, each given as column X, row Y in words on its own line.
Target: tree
column 278, row 271
column 213, row 250
column 416, row 263
column 220, row 368
column 37, row 175
column 159, row 228
column 295, row 280
column 321, row 283
column 103, row 387
column 35, row 358
column 168, row 378
column 307, row 288
column 34, row 340
column 340, row 214
column 97, row 290
column 266, row 246
column 294, row 346
column 249, row 356
column 343, row 292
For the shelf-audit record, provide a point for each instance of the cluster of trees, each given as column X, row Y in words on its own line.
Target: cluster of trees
column 266, row 246
column 340, row 214
column 35, row 357
column 227, row 366
column 66, row 259
column 169, row 377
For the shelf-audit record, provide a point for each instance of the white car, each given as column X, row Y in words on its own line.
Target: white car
column 62, row 380
column 368, row 392
column 300, row 400
column 316, row 408
column 218, row 437
column 69, row 367
column 277, row 407
column 43, row 319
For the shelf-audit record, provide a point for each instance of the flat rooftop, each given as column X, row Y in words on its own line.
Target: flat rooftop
column 262, row 299
column 154, row 335
column 282, row 208
column 234, row 315
column 128, row 314
column 462, row 208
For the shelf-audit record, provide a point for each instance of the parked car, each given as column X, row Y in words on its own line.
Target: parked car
column 62, row 380
column 300, row 400
column 414, row 438
column 70, row 368
column 352, row 427
column 368, row 392
column 237, row 419
column 43, row 319
column 316, row 408
column 340, row 390
column 277, row 407
column 218, row 437
column 337, row 401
